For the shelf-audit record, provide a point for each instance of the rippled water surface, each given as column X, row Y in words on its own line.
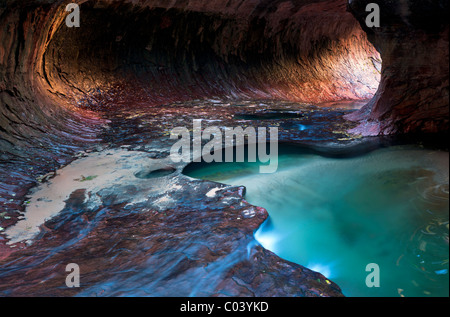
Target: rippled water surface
column 337, row 215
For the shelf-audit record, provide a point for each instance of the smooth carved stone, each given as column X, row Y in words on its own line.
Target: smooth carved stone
column 413, row 96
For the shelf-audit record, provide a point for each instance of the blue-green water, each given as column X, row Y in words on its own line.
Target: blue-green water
column 337, row 215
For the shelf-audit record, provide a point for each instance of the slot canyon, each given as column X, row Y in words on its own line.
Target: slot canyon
column 86, row 115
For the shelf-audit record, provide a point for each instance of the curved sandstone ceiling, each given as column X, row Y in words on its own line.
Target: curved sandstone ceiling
column 270, row 49
column 310, row 51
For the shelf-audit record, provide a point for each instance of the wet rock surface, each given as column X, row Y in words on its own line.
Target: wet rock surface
column 169, row 236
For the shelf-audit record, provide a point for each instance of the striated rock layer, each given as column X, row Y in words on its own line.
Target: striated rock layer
column 413, row 96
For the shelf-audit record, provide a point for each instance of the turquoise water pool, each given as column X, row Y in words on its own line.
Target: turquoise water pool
column 337, row 215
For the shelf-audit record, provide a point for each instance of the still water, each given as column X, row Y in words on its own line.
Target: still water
column 337, row 215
